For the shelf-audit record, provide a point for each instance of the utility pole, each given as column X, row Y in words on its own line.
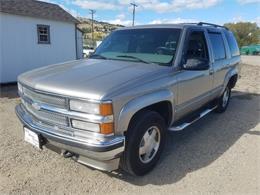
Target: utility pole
column 134, row 6
column 92, row 12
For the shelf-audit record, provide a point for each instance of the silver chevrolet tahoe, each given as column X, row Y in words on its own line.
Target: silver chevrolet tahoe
column 113, row 110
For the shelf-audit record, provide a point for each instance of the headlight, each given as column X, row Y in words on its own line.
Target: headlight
column 82, row 106
column 103, row 109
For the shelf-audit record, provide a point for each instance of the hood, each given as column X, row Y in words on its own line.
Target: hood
column 90, row 79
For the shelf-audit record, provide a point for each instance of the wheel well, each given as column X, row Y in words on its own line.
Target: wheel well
column 232, row 81
column 164, row 108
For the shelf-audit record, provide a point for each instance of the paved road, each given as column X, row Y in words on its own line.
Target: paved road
column 219, row 154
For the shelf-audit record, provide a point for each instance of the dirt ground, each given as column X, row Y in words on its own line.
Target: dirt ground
column 220, row 154
column 252, row 60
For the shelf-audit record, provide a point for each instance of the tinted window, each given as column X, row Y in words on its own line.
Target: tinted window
column 197, row 47
column 150, row 45
column 232, row 43
column 218, row 45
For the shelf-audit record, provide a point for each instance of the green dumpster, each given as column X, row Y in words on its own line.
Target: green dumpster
column 250, row 50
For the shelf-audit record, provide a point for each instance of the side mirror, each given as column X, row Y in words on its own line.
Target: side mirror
column 196, row 64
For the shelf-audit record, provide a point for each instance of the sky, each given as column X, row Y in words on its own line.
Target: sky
column 165, row 11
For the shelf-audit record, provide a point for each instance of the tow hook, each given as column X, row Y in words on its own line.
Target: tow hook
column 67, row 154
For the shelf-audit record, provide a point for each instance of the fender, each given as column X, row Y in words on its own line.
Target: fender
column 232, row 72
column 133, row 106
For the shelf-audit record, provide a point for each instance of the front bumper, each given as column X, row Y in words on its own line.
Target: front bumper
column 99, row 153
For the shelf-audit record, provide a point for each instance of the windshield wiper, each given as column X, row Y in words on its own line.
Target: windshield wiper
column 98, row 56
column 133, row 57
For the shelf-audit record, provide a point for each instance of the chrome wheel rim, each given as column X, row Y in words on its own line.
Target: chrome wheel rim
column 149, row 144
column 225, row 98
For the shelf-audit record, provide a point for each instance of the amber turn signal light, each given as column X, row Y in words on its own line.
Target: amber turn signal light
column 107, row 128
column 106, row 109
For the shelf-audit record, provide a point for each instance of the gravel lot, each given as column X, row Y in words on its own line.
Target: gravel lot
column 252, row 60
column 219, row 154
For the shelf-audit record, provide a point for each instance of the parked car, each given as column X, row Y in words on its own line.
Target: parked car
column 114, row 109
column 87, row 51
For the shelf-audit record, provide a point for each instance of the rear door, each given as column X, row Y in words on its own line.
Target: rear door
column 220, row 62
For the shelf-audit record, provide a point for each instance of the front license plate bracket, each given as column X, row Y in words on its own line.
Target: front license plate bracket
column 33, row 138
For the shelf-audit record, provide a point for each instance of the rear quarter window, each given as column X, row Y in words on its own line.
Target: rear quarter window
column 217, row 45
column 232, row 43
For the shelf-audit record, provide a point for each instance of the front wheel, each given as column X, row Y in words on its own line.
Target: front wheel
column 144, row 143
column 224, row 100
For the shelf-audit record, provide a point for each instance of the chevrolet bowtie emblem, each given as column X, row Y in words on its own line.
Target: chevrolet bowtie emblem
column 36, row 106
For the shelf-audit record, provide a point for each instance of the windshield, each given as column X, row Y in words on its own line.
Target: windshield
column 157, row 45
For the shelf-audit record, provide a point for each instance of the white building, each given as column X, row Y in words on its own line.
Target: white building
column 34, row 34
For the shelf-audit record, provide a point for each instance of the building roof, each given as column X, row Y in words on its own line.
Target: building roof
column 37, row 9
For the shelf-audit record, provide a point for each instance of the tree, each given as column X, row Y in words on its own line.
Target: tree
column 99, row 36
column 86, row 30
column 246, row 33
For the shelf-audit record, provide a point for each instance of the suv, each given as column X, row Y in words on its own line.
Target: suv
column 114, row 109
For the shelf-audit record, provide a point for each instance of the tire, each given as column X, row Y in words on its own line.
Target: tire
column 146, row 125
column 223, row 101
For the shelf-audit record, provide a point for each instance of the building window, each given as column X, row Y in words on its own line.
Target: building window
column 43, row 34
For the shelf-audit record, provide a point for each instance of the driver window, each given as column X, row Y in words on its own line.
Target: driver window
column 197, row 46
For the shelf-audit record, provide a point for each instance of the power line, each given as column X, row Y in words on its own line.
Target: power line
column 134, row 6
column 92, row 12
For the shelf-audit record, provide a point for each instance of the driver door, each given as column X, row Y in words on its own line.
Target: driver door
column 194, row 86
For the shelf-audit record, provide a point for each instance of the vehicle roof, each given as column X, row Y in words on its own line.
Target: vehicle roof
column 154, row 26
column 177, row 26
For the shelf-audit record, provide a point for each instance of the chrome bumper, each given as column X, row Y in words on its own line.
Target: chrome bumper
column 101, row 154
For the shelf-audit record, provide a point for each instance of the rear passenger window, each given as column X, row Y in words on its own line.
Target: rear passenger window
column 232, row 43
column 218, row 45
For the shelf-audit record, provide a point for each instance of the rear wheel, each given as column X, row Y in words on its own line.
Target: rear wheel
column 224, row 100
column 144, row 143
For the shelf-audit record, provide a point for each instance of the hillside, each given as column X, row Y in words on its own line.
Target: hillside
column 101, row 29
column 99, row 26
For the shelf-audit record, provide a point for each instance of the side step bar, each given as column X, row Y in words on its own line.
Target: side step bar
column 186, row 124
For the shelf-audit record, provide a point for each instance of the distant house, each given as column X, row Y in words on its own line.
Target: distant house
column 34, row 34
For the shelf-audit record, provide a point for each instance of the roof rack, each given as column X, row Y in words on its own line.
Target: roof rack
column 210, row 24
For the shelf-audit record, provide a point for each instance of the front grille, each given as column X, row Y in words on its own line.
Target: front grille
column 45, row 116
column 29, row 97
column 43, row 98
column 39, row 123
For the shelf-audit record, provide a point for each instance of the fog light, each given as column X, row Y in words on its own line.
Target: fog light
column 85, row 125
